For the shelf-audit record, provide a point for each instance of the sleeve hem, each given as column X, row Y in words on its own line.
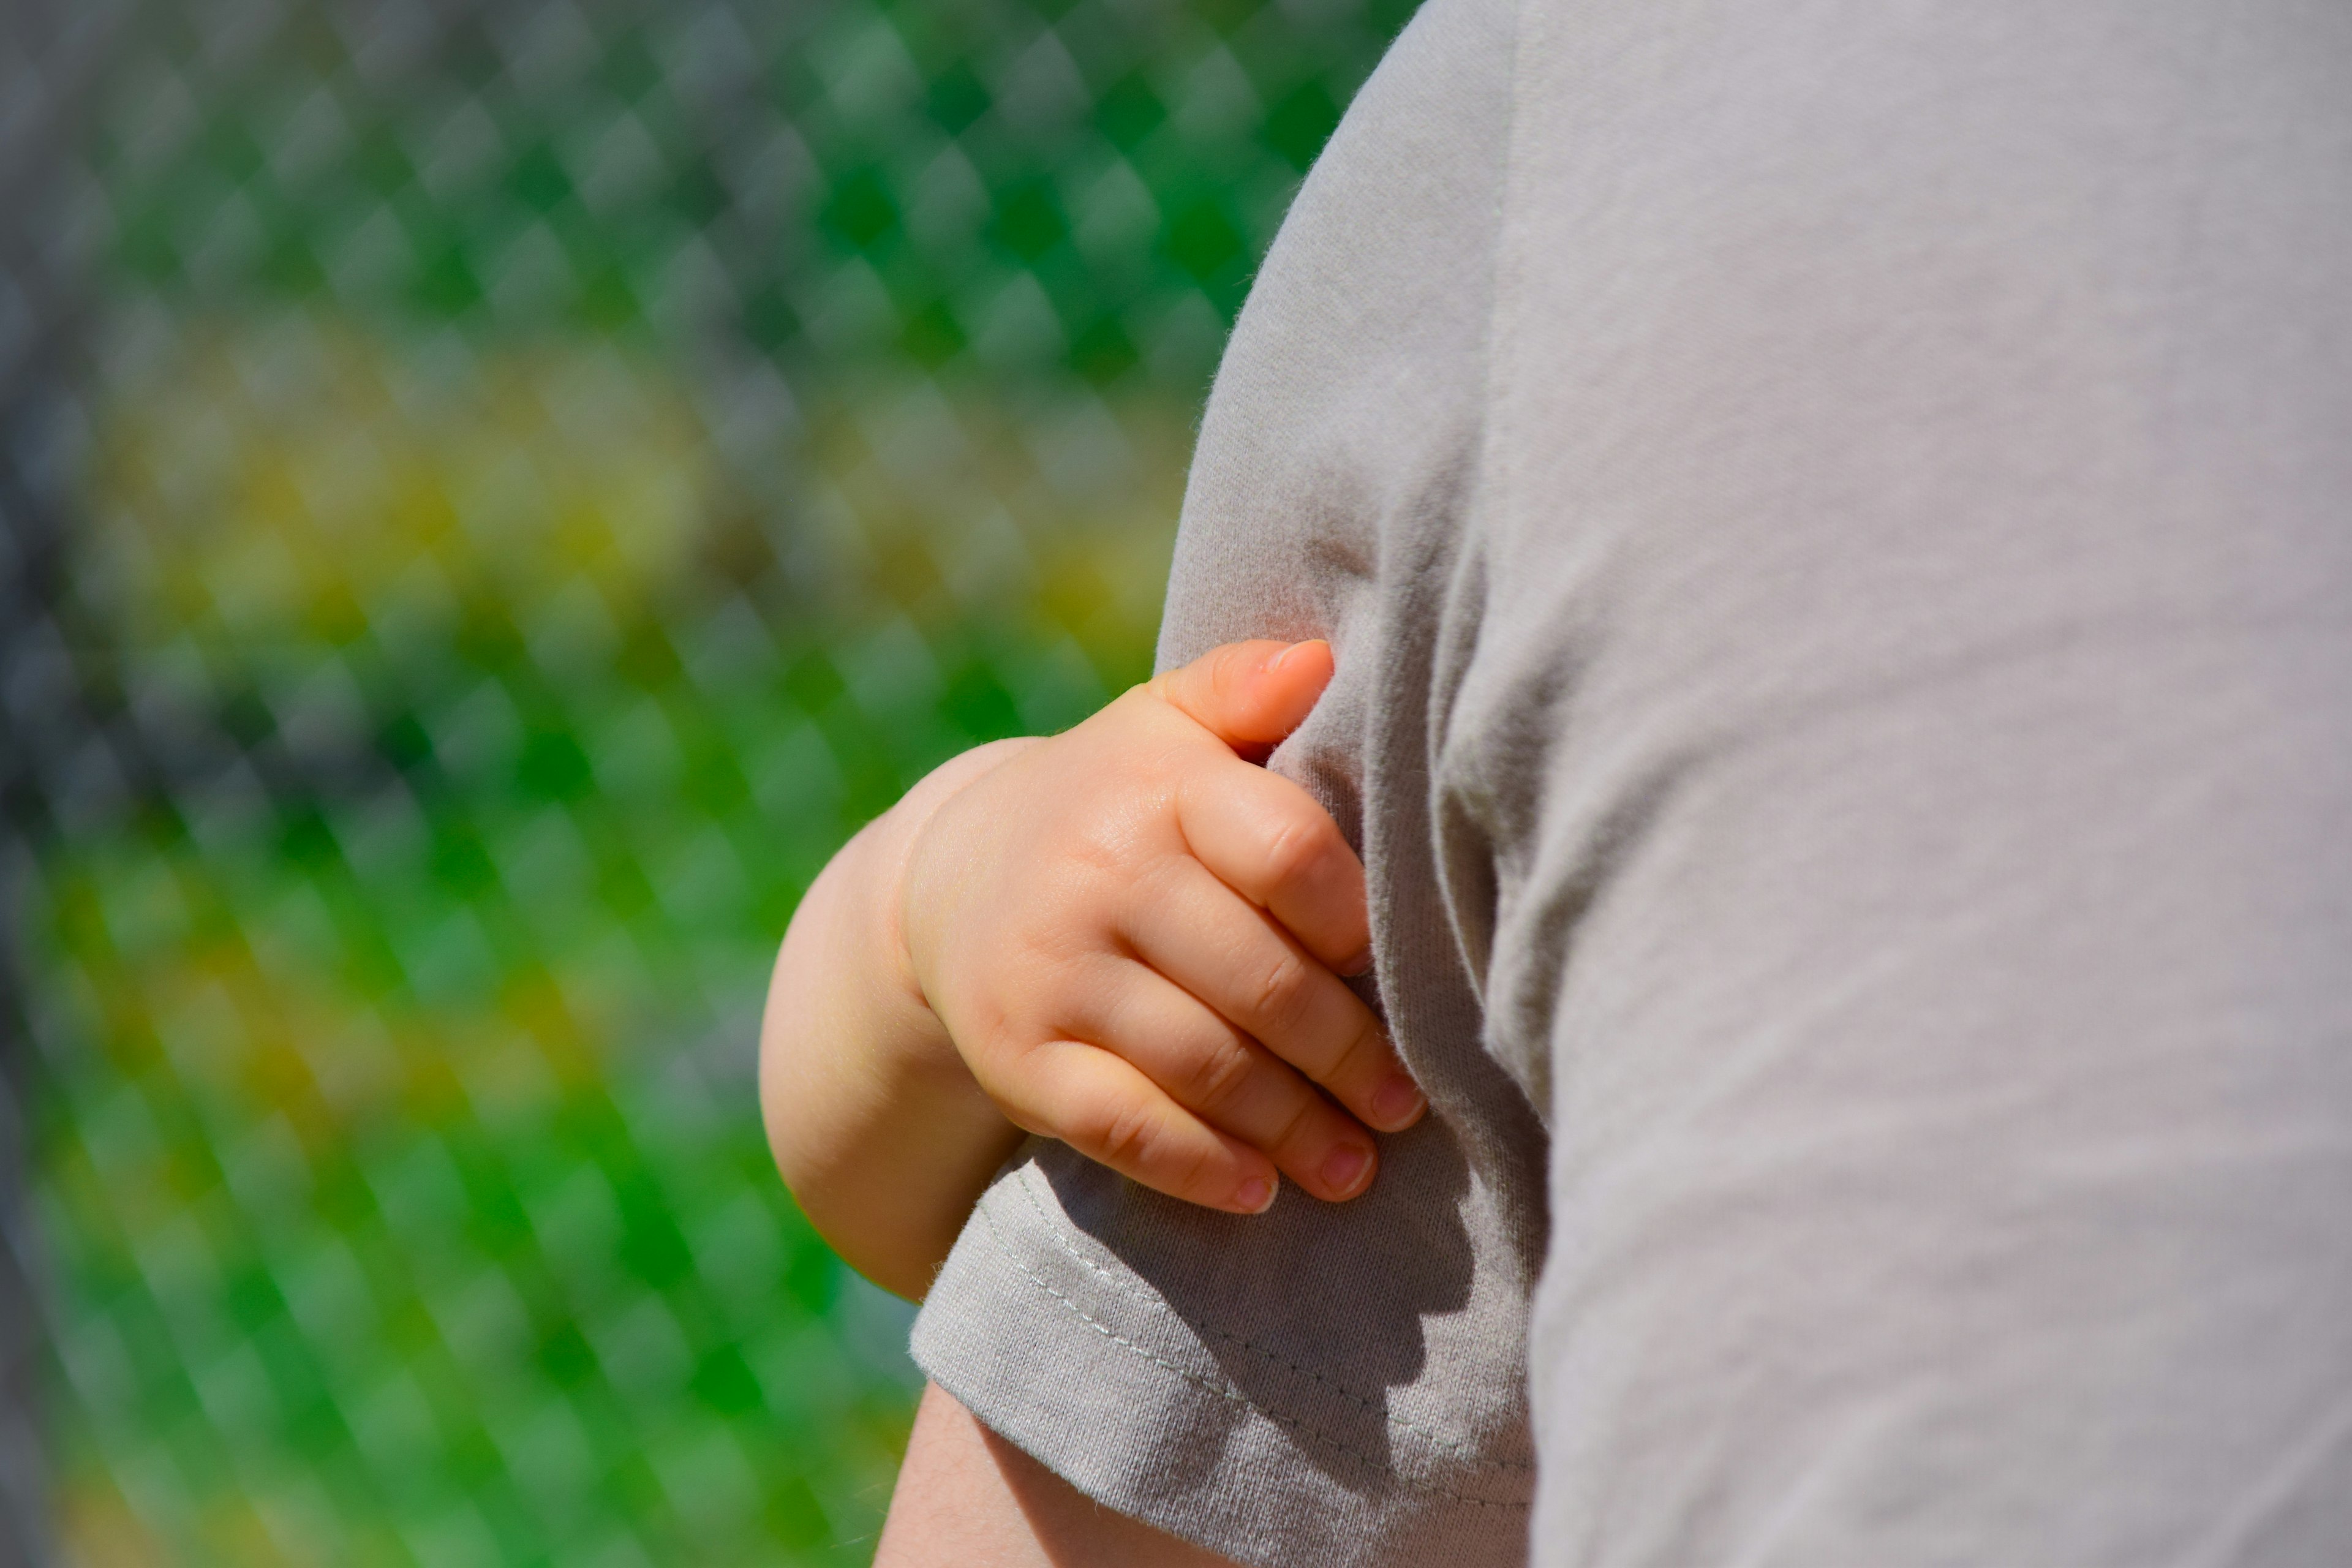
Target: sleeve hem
column 1081, row 1367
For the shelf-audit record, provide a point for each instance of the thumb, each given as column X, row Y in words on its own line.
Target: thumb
column 1249, row 694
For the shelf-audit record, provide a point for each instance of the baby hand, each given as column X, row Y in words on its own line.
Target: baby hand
column 1131, row 934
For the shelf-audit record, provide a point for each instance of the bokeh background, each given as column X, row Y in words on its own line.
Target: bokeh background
column 492, row 493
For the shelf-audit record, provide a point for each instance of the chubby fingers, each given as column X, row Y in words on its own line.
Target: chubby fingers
column 1249, row 694
column 1263, row 834
column 1107, row 1109
column 1188, row 926
column 1268, row 840
column 1196, row 1108
column 1230, row 1081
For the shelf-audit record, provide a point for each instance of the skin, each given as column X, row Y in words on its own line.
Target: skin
column 1128, row 936
column 967, row 1499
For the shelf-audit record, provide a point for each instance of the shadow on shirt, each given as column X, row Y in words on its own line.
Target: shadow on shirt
column 1316, row 1315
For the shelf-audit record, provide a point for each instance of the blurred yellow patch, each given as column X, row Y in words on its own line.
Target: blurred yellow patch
column 1060, row 516
column 248, row 992
column 262, row 480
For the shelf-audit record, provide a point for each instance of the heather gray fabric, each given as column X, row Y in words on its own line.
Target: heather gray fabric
column 1321, row 1384
column 1837, row 522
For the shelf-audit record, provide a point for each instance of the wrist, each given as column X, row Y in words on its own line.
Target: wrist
column 902, row 839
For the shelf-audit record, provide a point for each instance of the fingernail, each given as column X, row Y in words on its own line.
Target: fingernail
column 1360, row 964
column 1256, row 1196
column 1397, row 1101
column 1344, row 1167
column 1278, row 660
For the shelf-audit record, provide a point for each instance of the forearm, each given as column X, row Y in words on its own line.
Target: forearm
column 881, row 1134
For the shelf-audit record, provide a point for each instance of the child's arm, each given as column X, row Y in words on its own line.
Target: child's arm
column 1124, row 937
column 880, row 1132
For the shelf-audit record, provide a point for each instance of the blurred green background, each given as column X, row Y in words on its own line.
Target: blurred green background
column 495, row 494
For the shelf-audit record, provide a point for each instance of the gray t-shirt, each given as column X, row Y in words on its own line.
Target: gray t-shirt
column 1836, row 522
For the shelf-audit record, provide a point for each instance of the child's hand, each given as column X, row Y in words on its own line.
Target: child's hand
column 1131, row 934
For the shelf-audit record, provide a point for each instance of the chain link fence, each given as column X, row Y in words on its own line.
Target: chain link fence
column 492, row 492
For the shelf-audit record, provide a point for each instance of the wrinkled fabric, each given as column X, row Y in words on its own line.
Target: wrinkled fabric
column 1836, row 523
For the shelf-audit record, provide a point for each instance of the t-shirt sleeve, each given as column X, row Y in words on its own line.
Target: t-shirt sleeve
column 1337, row 1384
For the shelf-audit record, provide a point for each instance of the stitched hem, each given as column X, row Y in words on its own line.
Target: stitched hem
column 1057, row 1231
column 1321, row 1440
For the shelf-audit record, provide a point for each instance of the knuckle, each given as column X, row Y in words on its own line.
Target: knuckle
column 1195, row 1178
column 1128, row 1135
column 1099, row 846
column 1228, row 667
column 1215, row 1079
column 995, row 1054
column 1362, row 1049
column 1294, row 848
column 1296, row 1130
column 1005, row 1068
column 1133, row 1138
column 1279, row 995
